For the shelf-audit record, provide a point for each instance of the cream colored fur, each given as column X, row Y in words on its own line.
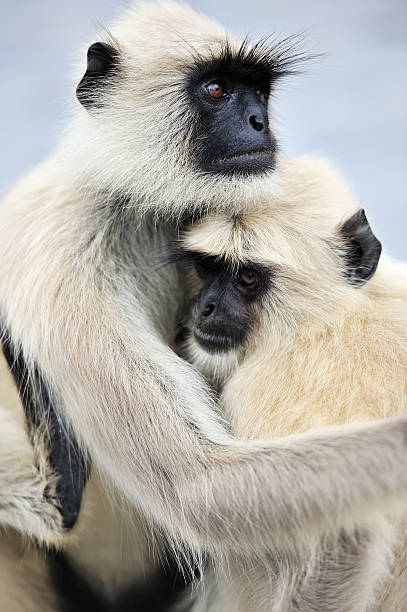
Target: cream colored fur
column 111, row 545
column 82, row 296
column 322, row 353
column 24, row 582
column 28, row 500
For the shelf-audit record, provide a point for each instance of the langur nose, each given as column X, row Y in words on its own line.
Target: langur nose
column 256, row 125
column 207, row 310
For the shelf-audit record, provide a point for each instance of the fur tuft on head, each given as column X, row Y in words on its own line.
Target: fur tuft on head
column 276, row 57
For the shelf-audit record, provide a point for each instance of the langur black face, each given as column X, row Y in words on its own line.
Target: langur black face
column 232, row 133
column 223, row 313
column 209, row 114
column 231, row 298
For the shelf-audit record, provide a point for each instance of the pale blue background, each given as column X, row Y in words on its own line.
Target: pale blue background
column 350, row 105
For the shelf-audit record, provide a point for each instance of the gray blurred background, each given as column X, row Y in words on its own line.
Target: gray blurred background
column 350, row 105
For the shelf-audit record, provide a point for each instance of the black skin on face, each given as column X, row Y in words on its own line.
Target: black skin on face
column 222, row 315
column 232, row 134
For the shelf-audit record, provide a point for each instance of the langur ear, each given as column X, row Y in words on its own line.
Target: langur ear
column 363, row 249
column 103, row 59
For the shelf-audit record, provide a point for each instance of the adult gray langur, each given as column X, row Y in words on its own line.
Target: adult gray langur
column 173, row 122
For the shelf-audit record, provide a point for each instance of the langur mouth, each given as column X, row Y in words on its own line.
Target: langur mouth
column 213, row 343
column 255, row 161
column 248, row 154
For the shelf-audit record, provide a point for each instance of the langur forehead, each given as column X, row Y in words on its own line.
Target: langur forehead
column 176, row 36
column 170, row 27
column 267, row 237
column 233, row 238
column 218, row 235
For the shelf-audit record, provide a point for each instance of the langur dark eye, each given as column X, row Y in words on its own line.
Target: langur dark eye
column 261, row 95
column 248, row 279
column 215, row 90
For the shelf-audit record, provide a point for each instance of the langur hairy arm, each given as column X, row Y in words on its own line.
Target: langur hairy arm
column 149, row 425
column 145, row 416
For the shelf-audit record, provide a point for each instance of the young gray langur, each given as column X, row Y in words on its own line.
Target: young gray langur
column 174, row 121
column 287, row 327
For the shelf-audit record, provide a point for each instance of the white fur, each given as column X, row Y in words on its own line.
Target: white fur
column 81, row 295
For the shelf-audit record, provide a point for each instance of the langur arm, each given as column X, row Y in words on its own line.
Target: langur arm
column 147, row 420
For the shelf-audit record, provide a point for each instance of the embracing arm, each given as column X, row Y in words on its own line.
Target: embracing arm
column 148, row 422
column 146, row 417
